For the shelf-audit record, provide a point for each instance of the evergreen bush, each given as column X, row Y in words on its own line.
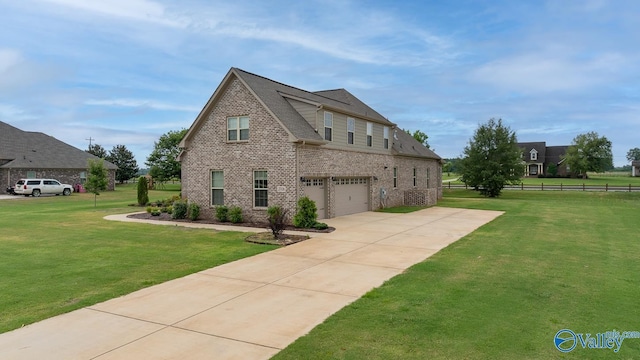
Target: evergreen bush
column 307, row 213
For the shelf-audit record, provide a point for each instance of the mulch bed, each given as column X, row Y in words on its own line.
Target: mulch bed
column 260, row 238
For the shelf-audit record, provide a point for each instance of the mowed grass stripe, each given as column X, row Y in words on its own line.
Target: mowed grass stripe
column 552, row 261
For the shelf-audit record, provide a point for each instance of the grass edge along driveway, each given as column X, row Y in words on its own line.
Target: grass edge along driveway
column 58, row 254
column 552, row 261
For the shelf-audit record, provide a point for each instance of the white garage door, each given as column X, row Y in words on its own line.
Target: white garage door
column 352, row 195
column 314, row 189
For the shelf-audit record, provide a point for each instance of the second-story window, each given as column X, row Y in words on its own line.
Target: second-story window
column 369, row 134
column 328, row 125
column 534, row 154
column 386, row 137
column 351, row 129
column 238, row 128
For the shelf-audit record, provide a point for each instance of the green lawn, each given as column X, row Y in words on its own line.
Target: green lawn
column 554, row 260
column 57, row 253
column 594, row 179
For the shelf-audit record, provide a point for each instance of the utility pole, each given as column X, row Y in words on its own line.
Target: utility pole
column 90, row 139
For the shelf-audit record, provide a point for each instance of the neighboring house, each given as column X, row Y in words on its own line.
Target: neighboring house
column 635, row 168
column 258, row 143
column 538, row 156
column 26, row 154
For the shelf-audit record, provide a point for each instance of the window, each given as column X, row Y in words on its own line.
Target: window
column 83, row 177
column 369, row 134
column 395, row 177
column 238, row 128
column 260, row 193
column 386, row 139
column 428, row 176
column 534, row 154
column 351, row 129
column 217, row 187
column 31, row 174
column 328, row 125
column 415, row 182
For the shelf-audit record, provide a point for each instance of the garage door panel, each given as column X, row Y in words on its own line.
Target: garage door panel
column 352, row 195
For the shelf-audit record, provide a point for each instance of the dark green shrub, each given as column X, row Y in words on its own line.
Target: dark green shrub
column 235, row 214
column 307, row 213
column 222, row 213
column 277, row 217
column 155, row 212
column 143, row 191
column 179, row 210
column 164, row 209
column 194, row 211
column 320, row 226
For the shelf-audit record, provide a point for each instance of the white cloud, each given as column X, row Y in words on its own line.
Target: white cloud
column 139, row 103
column 545, row 73
column 136, row 10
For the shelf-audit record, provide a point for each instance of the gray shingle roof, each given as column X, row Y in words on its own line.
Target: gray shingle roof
column 405, row 144
column 555, row 153
column 26, row 149
column 526, row 147
column 270, row 93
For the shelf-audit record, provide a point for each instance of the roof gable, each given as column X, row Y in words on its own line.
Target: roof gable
column 407, row 145
column 273, row 96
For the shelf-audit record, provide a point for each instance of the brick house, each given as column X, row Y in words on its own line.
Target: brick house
column 26, row 154
column 537, row 157
column 258, row 142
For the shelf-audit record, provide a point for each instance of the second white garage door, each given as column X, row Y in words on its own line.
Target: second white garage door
column 352, row 195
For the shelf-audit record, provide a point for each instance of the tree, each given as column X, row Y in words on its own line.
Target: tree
column 143, row 191
column 633, row 154
column 164, row 154
column 123, row 158
column 97, row 178
column 97, row 150
column 420, row 136
column 589, row 152
column 492, row 159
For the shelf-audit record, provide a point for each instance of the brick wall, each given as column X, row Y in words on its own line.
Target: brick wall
column 268, row 149
column 318, row 162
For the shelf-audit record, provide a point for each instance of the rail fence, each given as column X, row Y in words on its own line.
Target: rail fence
column 561, row 187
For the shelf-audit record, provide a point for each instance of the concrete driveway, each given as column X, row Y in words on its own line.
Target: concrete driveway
column 254, row 307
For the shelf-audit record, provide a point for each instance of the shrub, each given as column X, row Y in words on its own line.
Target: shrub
column 320, row 226
column 194, row 211
column 149, row 209
column 164, row 209
column 277, row 217
column 179, row 210
column 222, row 213
column 307, row 213
column 143, row 191
column 155, row 212
column 235, row 214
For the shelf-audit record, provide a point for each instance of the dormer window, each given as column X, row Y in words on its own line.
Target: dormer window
column 534, row 154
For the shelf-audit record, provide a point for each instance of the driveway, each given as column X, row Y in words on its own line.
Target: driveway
column 254, row 307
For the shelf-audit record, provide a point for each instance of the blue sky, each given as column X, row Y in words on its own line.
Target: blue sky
column 127, row 71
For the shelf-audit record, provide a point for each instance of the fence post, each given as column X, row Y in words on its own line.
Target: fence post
column 521, row 186
column 542, row 186
column 560, row 186
column 606, row 187
column 629, row 187
column 582, row 186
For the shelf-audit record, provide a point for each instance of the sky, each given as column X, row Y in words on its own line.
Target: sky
column 124, row 72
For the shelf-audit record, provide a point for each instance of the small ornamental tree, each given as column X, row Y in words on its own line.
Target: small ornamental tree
column 96, row 179
column 277, row 217
column 143, row 191
column 307, row 213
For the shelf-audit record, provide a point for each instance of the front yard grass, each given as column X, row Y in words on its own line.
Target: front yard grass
column 58, row 254
column 554, row 260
